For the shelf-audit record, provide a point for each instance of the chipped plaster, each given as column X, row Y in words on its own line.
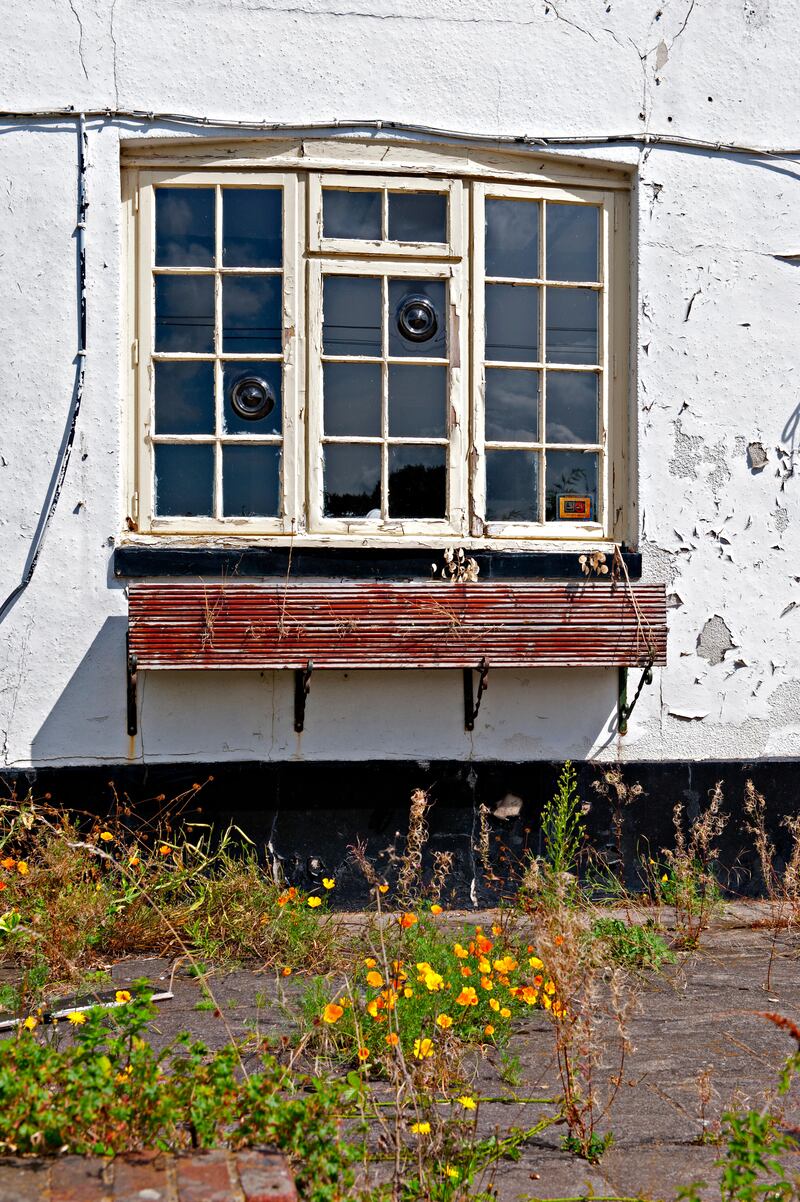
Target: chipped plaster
column 713, row 357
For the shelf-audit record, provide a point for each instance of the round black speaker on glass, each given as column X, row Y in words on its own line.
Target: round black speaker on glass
column 416, row 318
column 252, row 398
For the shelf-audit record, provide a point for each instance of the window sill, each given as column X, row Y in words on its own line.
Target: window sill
column 357, row 563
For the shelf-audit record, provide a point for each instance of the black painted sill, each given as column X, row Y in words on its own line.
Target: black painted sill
column 367, row 563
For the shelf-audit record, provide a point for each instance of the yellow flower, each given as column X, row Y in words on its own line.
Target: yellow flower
column 328, row 882
column 106, row 836
column 505, row 1012
column 535, row 962
column 467, row 1102
column 314, row 902
column 421, row 1128
column 383, row 888
column 484, row 967
column 363, row 1054
column 486, row 983
column 332, row 1013
column 30, row 1023
column 374, row 979
column 286, row 971
column 493, row 1002
column 460, row 951
column 488, row 1029
column 7, row 863
column 122, row 995
column 76, row 1017
column 407, row 920
column 435, row 909
column 164, row 850
column 422, row 1048
column 452, row 1172
column 496, row 929
column 433, row 981
column 467, row 997
column 22, row 868
column 370, row 962
column 408, row 991
column 549, row 987
column 372, row 1008
column 444, row 1021
column 505, row 964
column 123, row 1077
column 547, row 1001
column 665, row 878
column 134, row 861
column 392, row 1039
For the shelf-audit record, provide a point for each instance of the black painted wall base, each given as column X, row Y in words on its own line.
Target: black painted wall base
column 304, row 816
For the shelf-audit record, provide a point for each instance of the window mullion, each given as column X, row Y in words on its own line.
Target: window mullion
column 542, row 476
column 218, row 504
column 385, row 390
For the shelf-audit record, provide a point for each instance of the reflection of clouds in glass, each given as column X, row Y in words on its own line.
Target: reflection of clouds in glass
column 512, row 238
column 572, row 242
column 184, row 227
column 251, row 314
column 572, row 406
column 512, row 405
column 352, row 480
column 572, row 325
column 184, row 398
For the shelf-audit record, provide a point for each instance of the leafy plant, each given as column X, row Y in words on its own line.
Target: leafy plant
column 563, row 828
column 630, row 946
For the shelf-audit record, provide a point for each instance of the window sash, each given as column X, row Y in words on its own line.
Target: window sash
column 291, row 438
column 302, row 438
column 455, row 522
column 557, row 530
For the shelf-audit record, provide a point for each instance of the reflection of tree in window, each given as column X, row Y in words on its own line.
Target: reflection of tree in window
column 352, row 504
column 417, row 491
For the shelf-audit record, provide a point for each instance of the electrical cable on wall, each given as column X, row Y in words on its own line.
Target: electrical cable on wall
column 60, row 470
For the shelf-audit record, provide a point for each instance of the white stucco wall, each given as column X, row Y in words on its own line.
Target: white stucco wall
column 714, row 352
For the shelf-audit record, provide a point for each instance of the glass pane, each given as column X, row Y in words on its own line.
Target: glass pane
column 573, row 242
column 417, row 401
column 417, row 482
column 512, row 405
column 572, row 406
column 184, row 395
column 185, row 313
column 184, row 481
column 571, row 480
column 417, row 217
column 251, row 227
column 512, row 486
column 251, row 481
column 351, row 315
column 418, row 307
column 572, row 325
column 251, row 314
column 268, row 374
column 352, row 399
column 352, row 481
column 184, row 227
column 512, row 238
column 351, row 214
column 512, row 323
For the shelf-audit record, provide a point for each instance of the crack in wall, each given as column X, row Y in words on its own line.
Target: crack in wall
column 76, row 15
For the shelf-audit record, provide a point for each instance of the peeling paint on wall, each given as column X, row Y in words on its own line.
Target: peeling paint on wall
column 714, row 640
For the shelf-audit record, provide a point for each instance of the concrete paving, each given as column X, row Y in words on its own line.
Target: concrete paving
column 699, row 1017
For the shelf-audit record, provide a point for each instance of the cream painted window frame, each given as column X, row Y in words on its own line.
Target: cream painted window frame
column 606, row 367
column 303, row 166
column 291, row 439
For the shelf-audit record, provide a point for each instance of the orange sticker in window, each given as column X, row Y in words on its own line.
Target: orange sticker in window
column 573, row 508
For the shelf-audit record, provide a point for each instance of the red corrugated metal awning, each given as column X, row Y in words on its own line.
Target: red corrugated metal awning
column 180, row 625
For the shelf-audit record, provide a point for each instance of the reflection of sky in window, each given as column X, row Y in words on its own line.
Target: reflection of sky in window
column 184, row 227
column 512, row 405
column 512, row 239
column 251, row 314
column 572, row 242
column 572, row 406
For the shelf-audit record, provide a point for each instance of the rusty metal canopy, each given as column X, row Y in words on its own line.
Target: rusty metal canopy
column 535, row 624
